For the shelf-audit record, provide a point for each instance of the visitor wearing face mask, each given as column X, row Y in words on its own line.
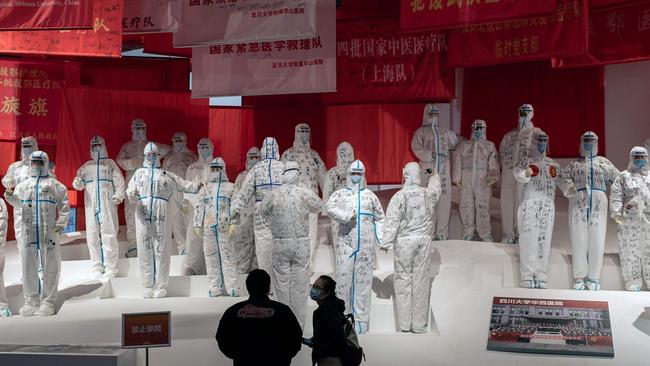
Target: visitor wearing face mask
column 329, row 339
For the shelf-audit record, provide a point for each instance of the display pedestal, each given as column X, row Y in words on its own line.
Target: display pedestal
column 66, row 356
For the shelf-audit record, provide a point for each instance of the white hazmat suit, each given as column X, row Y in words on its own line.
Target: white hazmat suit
column 536, row 213
column 357, row 211
column 43, row 202
column 245, row 235
column 152, row 189
column 514, row 146
column 287, row 210
column 265, row 177
column 177, row 162
column 130, row 159
column 312, row 173
column 584, row 183
column 194, row 261
column 4, row 222
column 101, row 180
column 475, row 170
column 629, row 203
column 433, row 145
column 212, row 218
column 408, row 225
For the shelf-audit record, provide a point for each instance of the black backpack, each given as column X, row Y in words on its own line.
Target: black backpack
column 352, row 353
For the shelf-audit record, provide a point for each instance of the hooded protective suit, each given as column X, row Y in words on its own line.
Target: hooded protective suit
column 212, row 216
column 177, row 162
column 629, row 203
column 194, row 261
column 408, row 225
column 433, row 145
column 536, row 213
column 43, row 202
column 357, row 211
column 103, row 183
column 584, row 182
column 152, row 189
column 287, row 210
column 475, row 170
column 312, row 173
column 263, row 178
column 19, row 171
column 514, row 148
column 130, row 159
column 245, row 235
column 4, row 219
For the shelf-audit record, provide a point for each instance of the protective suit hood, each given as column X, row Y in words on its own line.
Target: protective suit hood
column 151, row 149
column 103, row 154
column 526, row 114
column 201, row 146
column 291, row 173
column 221, row 176
column 637, row 150
column 253, row 155
column 344, row 155
column 539, row 138
column 357, row 167
column 270, row 149
column 426, row 119
column 411, row 174
column 482, row 128
column 45, row 169
column 594, row 150
column 302, row 136
column 138, row 135
column 26, row 151
column 179, row 143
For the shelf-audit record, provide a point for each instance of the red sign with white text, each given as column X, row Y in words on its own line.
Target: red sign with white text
column 52, row 14
column 455, row 13
column 151, row 16
column 560, row 34
column 143, row 330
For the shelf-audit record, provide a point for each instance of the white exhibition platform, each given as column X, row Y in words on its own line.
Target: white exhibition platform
column 468, row 275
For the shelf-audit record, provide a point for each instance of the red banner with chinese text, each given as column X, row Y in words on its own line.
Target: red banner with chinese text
column 35, row 14
column 560, row 34
column 616, row 35
column 30, row 97
column 376, row 62
column 104, row 39
column 440, row 14
column 147, row 16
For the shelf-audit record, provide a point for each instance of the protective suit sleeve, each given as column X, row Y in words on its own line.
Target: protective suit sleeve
column 419, row 148
column 266, row 206
column 15, row 198
column 565, row 181
column 394, row 213
column 322, row 171
column 128, row 164
column 313, row 201
column 435, row 188
column 4, row 219
column 378, row 214
column 611, row 172
column 328, row 187
column 244, row 194
column 62, row 205
column 493, row 161
column 521, row 174
column 336, row 209
column 132, row 189
column 616, row 197
column 238, row 183
column 76, row 184
column 185, row 186
column 457, row 166
column 8, row 181
column 163, row 149
column 198, row 209
column 453, row 140
column 118, row 182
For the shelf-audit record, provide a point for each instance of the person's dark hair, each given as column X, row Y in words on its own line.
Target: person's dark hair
column 258, row 283
column 329, row 285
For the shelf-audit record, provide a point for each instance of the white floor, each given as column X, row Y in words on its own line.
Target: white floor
column 468, row 275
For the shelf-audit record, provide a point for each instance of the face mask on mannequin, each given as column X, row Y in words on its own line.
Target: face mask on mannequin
column 36, row 168
column 303, row 136
column 640, row 163
column 355, row 178
column 96, row 148
column 588, row 145
column 27, row 149
column 179, row 146
column 139, row 134
column 432, row 119
column 205, row 152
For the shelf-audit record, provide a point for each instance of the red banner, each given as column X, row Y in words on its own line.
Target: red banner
column 147, row 16
column 376, row 62
column 34, row 14
column 30, row 97
column 456, row 13
column 561, row 34
column 619, row 34
column 104, row 39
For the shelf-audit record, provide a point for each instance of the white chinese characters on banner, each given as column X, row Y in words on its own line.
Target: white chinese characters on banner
column 151, row 16
column 206, row 23
column 270, row 67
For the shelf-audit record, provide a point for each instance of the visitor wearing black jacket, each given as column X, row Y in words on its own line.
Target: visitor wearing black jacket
column 259, row 331
column 329, row 339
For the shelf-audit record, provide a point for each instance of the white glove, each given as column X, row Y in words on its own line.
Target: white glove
column 572, row 191
column 133, row 194
column 9, row 192
column 457, row 184
column 116, row 200
column 199, row 231
column 618, row 219
column 490, row 180
column 59, row 229
column 232, row 229
column 78, row 182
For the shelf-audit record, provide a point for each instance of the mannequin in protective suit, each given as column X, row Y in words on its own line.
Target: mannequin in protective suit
column 287, row 210
column 263, row 178
column 245, row 236
column 312, row 173
column 513, row 149
column 177, row 162
column 475, row 170
column 103, row 184
column 433, row 145
column 357, row 211
column 130, row 159
column 194, row 261
column 17, row 172
column 152, row 189
column 408, row 225
column 212, row 220
column 629, row 204
column 536, row 213
column 584, row 182
column 43, row 202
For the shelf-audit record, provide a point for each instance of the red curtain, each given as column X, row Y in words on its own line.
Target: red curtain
column 136, row 73
column 567, row 102
column 235, row 130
